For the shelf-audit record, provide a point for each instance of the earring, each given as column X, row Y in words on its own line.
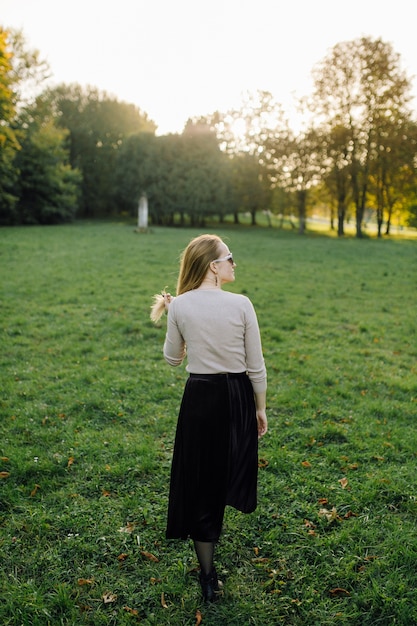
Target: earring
column 216, row 280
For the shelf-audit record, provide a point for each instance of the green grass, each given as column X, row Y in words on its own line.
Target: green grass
column 88, row 414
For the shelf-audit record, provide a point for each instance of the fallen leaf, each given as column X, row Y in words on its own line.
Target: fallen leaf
column 85, row 581
column 105, row 493
column 4, row 474
column 323, row 501
column 108, row 597
column 305, row 464
column 128, row 528
column 309, row 524
column 198, row 618
column 131, row 611
column 154, row 581
column 338, row 591
column 163, row 603
column 34, row 490
column 331, row 516
column 149, row 556
column 122, row 557
column 256, row 550
column 70, row 461
column 4, row 459
column 350, row 514
column 263, row 463
column 344, row 482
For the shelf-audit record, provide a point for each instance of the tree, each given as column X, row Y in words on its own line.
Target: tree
column 250, row 191
column 181, row 174
column 297, row 168
column 358, row 86
column 251, row 133
column 335, row 147
column 48, row 187
column 37, row 185
column 412, row 216
column 9, row 144
column 98, row 125
column 393, row 174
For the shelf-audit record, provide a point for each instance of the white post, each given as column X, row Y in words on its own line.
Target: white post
column 143, row 213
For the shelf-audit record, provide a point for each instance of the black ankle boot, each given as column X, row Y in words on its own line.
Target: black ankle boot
column 210, row 586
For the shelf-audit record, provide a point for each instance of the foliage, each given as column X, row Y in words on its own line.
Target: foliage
column 9, row 144
column 98, row 125
column 88, row 421
column 185, row 174
column 48, row 187
column 362, row 96
column 358, row 152
column 37, row 183
column 412, row 219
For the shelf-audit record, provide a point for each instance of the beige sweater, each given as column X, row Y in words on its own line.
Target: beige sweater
column 218, row 331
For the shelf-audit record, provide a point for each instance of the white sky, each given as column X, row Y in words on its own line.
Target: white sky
column 175, row 59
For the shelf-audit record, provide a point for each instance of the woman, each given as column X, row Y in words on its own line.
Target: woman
column 223, row 409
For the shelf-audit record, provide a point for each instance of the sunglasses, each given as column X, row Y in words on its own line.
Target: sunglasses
column 229, row 258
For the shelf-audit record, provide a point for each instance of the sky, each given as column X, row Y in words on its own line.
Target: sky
column 176, row 59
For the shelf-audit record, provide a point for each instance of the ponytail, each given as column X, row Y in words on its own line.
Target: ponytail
column 158, row 306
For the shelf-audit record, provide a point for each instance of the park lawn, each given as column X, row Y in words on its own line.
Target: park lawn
column 88, row 414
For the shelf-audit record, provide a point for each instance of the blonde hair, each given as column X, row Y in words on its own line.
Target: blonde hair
column 194, row 263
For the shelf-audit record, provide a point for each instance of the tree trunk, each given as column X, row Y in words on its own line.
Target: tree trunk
column 379, row 219
column 341, row 217
column 358, row 225
column 301, row 201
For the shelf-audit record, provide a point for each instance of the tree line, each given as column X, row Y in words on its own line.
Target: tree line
column 70, row 152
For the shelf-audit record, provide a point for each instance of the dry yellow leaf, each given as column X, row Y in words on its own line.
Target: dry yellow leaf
column 149, row 556
column 85, row 581
column 108, row 597
column 329, row 515
column 34, row 490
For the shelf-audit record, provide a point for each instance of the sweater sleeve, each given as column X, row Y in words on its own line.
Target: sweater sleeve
column 174, row 346
column 254, row 356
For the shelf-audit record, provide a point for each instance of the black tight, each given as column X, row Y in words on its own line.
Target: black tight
column 205, row 555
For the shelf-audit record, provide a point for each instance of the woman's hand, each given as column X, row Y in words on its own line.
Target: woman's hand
column 167, row 300
column 262, row 422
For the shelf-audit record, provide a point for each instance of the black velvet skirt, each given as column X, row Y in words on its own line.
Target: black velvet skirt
column 215, row 459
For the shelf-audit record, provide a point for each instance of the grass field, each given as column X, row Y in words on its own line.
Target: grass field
column 88, row 414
